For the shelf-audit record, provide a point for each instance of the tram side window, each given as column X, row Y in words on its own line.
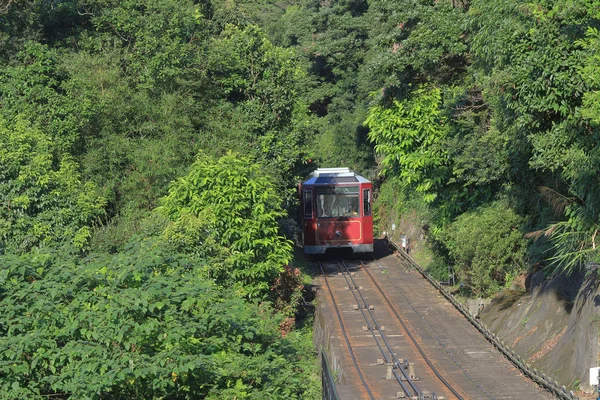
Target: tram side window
column 308, row 209
column 367, row 201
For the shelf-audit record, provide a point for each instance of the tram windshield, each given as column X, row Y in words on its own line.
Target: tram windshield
column 338, row 201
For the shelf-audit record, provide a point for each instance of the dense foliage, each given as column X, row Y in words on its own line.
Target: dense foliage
column 230, row 203
column 44, row 201
column 408, row 136
column 149, row 150
column 139, row 257
column 466, row 102
column 487, row 247
column 144, row 323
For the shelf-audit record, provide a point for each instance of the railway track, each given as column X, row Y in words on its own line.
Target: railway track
column 405, row 340
column 383, row 323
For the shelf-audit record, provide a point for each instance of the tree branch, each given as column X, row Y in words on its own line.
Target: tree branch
column 5, row 5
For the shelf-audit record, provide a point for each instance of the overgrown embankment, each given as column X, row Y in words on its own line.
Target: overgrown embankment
column 551, row 323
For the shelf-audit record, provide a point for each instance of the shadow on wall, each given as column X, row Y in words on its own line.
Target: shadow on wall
column 565, row 287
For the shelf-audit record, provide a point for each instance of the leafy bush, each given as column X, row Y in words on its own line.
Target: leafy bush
column 439, row 270
column 230, row 203
column 43, row 199
column 140, row 324
column 390, row 204
column 487, row 247
column 287, row 290
column 407, row 137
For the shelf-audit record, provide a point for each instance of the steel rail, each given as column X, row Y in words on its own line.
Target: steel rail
column 542, row 380
column 396, row 362
column 409, row 334
column 342, row 265
column 450, row 355
column 352, row 288
column 348, row 344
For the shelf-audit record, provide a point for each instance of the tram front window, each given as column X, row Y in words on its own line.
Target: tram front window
column 338, row 202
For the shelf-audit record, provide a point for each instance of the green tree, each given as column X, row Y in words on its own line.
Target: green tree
column 407, row 136
column 32, row 86
column 331, row 39
column 265, row 113
column 44, row 201
column 529, row 59
column 412, row 42
column 159, row 41
column 487, row 247
column 240, row 208
column 574, row 237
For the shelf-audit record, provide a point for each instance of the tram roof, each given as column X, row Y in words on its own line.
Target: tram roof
column 332, row 176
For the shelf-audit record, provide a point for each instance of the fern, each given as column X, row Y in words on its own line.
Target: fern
column 573, row 239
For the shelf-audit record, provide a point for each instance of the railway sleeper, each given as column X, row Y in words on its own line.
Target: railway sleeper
column 365, row 328
column 402, row 395
column 355, row 307
column 410, row 369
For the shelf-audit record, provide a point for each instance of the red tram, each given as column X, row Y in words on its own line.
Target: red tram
column 336, row 211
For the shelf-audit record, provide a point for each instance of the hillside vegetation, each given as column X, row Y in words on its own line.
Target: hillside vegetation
column 150, row 149
column 483, row 119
